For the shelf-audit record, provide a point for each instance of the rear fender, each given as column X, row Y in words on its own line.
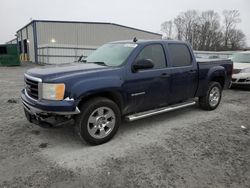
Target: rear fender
column 215, row 73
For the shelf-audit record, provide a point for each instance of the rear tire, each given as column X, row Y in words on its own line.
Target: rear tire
column 98, row 121
column 212, row 98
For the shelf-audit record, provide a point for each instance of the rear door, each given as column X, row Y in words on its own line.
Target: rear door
column 184, row 73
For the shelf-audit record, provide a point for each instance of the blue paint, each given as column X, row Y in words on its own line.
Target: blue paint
column 87, row 79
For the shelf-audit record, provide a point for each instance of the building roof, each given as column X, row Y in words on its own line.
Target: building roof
column 15, row 39
column 79, row 22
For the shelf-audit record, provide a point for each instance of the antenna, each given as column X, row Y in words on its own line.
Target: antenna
column 135, row 39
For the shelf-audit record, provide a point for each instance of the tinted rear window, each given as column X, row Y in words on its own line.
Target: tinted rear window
column 180, row 55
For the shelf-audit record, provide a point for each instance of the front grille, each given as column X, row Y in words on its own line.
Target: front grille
column 31, row 88
column 241, row 80
column 236, row 71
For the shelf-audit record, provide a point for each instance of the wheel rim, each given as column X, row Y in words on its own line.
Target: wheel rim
column 101, row 122
column 214, row 96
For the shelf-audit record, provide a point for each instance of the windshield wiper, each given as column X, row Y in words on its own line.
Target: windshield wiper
column 81, row 59
column 98, row 63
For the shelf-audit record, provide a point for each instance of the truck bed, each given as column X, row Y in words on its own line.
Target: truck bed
column 206, row 60
column 204, row 65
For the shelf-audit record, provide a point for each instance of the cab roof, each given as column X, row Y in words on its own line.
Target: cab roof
column 143, row 41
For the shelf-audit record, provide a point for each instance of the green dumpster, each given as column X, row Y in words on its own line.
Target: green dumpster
column 9, row 55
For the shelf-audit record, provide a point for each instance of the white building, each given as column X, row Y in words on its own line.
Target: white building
column 55, row 42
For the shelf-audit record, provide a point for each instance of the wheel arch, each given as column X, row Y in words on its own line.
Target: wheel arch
column 218, row 78
column 217, row 74
column 115, row 96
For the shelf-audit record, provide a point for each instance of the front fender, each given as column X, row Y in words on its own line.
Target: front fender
column 90, row 86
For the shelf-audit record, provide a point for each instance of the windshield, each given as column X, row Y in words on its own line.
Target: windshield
column 241, row 58
column 111, row 54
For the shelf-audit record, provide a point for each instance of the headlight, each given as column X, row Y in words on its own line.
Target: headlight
column 52, row 91
column 247, row 70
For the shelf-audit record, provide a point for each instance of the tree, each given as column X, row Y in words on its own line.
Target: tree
column 237, row 39
column 179, row 27
column 209, row 30
column 231, row 18
column 186, row 25
column 203, row 30
column 166, row 28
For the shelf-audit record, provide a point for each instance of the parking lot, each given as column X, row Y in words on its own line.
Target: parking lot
column 185, row 148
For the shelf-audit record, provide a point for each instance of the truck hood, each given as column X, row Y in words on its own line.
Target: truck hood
column 53, row 72
column 241, row 65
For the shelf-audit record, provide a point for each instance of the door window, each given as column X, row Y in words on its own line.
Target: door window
column 155, row 53
column 180, row 55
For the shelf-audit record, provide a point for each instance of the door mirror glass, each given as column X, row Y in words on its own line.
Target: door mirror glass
column 142, row 64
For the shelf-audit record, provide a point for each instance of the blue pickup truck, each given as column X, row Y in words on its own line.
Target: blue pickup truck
column 123, row 80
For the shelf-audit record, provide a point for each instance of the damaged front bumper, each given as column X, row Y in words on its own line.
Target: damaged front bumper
column 48, row 113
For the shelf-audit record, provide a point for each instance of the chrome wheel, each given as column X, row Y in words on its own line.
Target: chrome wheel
column 214, row 96
column 101, row 122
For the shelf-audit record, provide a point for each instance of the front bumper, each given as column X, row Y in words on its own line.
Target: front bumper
column 46, row 107
column 241, row 79
column 240, row 82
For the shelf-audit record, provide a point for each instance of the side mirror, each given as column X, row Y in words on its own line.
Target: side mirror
column 142, row 64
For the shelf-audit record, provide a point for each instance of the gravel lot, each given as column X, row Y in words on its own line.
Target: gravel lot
column 186, row 148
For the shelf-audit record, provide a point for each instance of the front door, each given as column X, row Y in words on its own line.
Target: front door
column 148, row 89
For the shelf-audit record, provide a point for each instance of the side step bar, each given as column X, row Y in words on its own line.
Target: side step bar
column 141, row 115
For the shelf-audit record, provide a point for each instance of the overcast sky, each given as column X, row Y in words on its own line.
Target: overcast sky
column 142, row 14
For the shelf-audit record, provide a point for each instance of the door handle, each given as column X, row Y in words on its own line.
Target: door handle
column 192, row 71
column 164, row 75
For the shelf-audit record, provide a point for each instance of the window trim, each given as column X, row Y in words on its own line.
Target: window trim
column 171, row 57
column 165, row 57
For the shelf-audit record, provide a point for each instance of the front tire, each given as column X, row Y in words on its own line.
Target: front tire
column 98, row 121
column 212, row 98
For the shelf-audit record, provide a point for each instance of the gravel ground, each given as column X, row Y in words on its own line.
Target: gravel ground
column 186, row 148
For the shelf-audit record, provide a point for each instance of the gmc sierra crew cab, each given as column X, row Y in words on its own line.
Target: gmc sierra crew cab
column 123, row 80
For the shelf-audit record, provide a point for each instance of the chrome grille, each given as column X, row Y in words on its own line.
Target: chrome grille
column 31, row 87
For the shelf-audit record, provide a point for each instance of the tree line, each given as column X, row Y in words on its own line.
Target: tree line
column 206, row 30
